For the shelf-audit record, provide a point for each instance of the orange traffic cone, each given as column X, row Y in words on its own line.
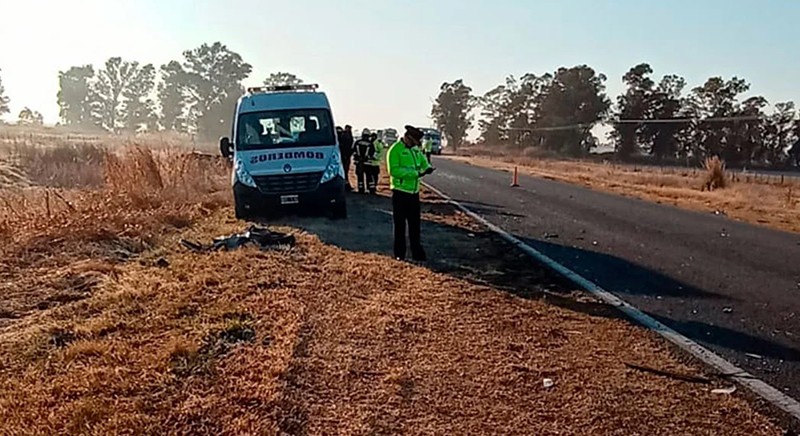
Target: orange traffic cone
column 515, row 182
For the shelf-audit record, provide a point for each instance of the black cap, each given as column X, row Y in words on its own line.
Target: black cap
column 414, row 133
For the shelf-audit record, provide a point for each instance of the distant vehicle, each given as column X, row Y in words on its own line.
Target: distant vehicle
column 390, row 136
column 436, row 137
column 285, row 152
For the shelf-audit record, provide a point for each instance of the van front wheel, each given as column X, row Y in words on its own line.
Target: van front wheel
column 242, row 213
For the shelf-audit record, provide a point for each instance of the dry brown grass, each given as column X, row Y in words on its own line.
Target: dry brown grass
column 715, row 177
column 317, row 340
column 755, row 199
column 44, row 230
column 108, row 326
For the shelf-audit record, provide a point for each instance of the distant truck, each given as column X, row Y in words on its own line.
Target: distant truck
column 285, row 153
column 436, row 137
column 390, row 136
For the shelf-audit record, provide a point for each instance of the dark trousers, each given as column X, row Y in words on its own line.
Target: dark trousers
column 346, row 164
column 362, row 176
column 367, row 176
column 373, row 173
column 405, row 211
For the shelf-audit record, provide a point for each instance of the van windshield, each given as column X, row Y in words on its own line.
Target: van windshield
column 285, row 128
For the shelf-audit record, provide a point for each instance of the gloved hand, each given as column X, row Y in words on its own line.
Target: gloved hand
column 429, row 171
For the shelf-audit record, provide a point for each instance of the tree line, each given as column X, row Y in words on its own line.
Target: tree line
column 195, row 94
column 661, row 119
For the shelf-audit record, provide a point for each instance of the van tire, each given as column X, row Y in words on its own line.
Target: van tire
column 241, row 213
column 340, row 209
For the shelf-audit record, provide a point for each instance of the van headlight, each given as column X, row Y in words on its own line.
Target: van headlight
column 334, row 167
column 242, row 175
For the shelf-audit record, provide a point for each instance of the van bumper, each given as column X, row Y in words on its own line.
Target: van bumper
column 254, row 202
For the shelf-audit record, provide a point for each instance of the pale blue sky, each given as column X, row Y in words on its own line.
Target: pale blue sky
column 382, row 61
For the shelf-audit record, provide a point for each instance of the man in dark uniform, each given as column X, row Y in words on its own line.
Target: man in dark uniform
column 346, row 147
column 364, row 155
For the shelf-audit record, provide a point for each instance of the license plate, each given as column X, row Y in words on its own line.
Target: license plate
column 290, row 199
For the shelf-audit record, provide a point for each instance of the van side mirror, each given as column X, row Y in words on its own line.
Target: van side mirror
column 225, row 147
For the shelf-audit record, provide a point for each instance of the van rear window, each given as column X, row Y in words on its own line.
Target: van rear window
column 285, row 128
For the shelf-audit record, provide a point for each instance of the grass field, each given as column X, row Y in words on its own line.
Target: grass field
column 109, row 326
column 770, row 201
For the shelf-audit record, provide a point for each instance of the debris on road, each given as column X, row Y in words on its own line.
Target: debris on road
column 727, row 310
column 724, row 391
column 551, row 235
column 672, row 374
column 754, row 356
column 548, row 383
column 260, row 237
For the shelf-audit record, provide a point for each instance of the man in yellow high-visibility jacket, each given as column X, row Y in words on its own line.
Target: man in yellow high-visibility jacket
column 427, row 146
column 406, row 165
column 374, row 166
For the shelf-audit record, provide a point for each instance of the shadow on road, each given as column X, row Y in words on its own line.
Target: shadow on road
column 731, row 339
column 487, row 210
column 455, row 246
column 629, row 280
column 620, row 275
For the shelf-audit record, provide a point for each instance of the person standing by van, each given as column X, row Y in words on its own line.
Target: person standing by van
column 346, row 147
column 364, row 155
column 374, row 167
column 406, row 166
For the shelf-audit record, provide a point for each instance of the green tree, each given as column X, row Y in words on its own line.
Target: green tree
column 452, row 111
column 138, row 107
column 282, row 79
column 717, row 98
column 214, row 76
column 112, row 81
column 76, row 100
column 493, row 122
column 509, row 112
column 3, row 99
column 635, row 104
column 173, row 97
column 781, row 133
column 667, row 103
column 28, row 117
column 746, row 137
column 573, row 103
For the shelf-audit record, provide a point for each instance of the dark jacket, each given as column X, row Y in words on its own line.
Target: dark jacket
column 365, row 151
column 346, row 143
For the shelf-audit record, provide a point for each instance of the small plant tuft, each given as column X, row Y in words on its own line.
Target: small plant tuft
column 715, row 177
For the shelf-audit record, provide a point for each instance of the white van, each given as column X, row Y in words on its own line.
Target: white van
column 285, row 153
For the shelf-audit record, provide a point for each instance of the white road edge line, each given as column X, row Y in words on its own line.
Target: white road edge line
column 764, row 390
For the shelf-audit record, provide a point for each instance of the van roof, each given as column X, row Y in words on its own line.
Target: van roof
column 267, row 101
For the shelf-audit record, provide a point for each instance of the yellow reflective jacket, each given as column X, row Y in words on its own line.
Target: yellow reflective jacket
column 405, row 166
column 380, row 148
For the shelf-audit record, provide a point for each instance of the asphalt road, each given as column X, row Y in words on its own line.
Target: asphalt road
column 732, row 287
